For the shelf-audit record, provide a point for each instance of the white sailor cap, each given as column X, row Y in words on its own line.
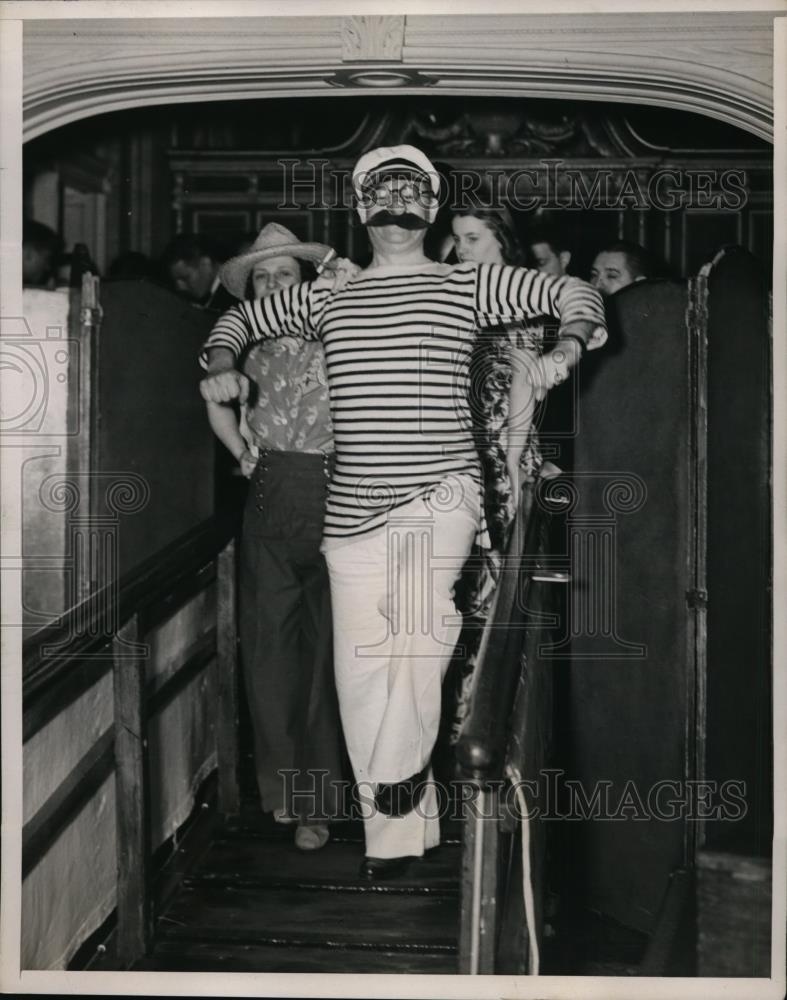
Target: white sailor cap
column 394, row 161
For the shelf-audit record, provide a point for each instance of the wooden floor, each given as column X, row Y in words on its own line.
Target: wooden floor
column 248, row 900
column 238, row 896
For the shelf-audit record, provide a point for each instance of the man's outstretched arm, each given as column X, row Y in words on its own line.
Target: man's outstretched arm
column 287, row 312
column 506, row 294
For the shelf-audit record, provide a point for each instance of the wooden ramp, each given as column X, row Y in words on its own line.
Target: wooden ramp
column 252, row 902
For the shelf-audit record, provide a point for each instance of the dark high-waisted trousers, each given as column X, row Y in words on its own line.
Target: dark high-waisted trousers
column 286, row 637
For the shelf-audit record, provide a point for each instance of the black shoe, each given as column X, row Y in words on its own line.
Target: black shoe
column 401, row 797
column 374, row 869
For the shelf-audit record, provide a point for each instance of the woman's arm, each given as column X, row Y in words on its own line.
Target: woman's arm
column 505, row 293
column 553, row 367
column 224, row 424
column 521, row 409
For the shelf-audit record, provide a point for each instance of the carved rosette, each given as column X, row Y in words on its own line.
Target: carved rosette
column 373, row 39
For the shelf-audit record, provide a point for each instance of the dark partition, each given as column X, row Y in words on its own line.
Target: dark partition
column 153, row 453
column 633, row 561
column 738, row 716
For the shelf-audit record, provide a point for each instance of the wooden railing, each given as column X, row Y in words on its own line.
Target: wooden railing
column 106, row 633
column 511, row 691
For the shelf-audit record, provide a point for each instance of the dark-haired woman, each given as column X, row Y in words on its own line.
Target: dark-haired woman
column 503, row 409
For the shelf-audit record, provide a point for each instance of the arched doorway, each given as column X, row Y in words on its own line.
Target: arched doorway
column 421, row 58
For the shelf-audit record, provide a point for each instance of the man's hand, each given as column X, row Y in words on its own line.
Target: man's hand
column 338, row 272
column 223, row 387
column 223, row 382
column 552, row 368
column 547, row 371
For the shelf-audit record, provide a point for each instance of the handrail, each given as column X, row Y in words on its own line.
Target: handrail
column 493, row 918
column 82, row 631
column 480, row 749
column 106, row 633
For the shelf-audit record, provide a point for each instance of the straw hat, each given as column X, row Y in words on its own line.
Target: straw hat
column 273, row 241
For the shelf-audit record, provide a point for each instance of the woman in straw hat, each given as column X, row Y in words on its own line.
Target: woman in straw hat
column 285, row 447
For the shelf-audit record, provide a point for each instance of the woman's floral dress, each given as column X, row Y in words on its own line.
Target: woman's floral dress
column 491, row 371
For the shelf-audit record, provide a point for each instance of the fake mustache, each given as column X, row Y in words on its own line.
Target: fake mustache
column 404, row 220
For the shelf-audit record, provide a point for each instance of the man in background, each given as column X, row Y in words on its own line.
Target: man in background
column 619, row 264
column 41, row 247
column 549, row 252
column 192, row 262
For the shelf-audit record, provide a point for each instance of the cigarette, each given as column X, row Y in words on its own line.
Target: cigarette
column 326, row 260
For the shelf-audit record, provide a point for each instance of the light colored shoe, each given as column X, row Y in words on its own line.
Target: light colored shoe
column 284, row 818
column 311, row 837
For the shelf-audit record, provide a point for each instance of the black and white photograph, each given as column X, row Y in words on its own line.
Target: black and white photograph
column 393, row 498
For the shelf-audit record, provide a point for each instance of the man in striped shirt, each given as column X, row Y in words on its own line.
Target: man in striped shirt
column 404, row 502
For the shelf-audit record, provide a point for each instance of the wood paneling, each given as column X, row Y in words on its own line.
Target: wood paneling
column 133, row 900
column 50, row 655
column 318, row 203
column 739, row 677
column 631, row 649
column 227, row 670
column 480, row 885
column 61, row 692
column 65, row 661
column 198, row 657
column 704, row 233
column 64, row 804
column 43, row 360
column 153, row 428
column 733, row 915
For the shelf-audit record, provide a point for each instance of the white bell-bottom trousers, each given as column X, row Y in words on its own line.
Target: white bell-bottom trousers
column 395, row 627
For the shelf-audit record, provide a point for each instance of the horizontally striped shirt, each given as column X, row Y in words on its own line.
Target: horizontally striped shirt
column 397, row 346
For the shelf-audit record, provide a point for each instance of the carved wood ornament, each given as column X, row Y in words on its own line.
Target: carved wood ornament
column 370, row 39
column 718, row 64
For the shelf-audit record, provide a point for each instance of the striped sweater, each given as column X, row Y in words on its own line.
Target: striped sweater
column 397, row 346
